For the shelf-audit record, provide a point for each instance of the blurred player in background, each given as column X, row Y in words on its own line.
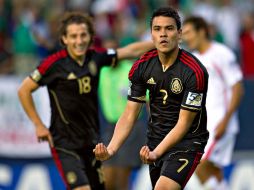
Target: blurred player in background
column 71, row 76
column 223, row 98
column 113, row 88
column 177, row 84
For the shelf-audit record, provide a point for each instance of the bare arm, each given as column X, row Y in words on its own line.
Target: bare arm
column 237, row 93
column 134, row 50
column 25, row 91
column 122, row 130
column 171, row 139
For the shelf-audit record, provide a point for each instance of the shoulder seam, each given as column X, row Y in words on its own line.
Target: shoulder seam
column 192, row 63
column 142, row 59
column 49, row 61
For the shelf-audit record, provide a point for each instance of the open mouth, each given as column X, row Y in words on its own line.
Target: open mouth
column 164, row 42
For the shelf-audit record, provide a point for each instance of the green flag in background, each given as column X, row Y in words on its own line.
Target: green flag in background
column 113, row 88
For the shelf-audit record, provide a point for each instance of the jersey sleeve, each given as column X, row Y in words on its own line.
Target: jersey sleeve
column 43, row 75
column 137, row 88
column 47, row 72
column 106, row 57
column 231, row 70
column 195, row 92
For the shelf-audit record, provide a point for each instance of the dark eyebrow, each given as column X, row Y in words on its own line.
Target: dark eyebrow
column 171, row 25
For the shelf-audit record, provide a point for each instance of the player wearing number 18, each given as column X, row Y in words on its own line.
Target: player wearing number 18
column 177, row 84
column 71, row 76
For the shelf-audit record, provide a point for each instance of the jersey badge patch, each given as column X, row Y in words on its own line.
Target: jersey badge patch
column 111, row 51
column 71, row 177
column 176, row 86
column 151, row 81
column 71, row 76
column 129, row 89
column 194, row 99
column 36, row 75
column 92, row 68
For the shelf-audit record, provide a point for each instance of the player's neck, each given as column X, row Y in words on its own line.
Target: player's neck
column 168, row 59
column 79, row 59
column 204, row 46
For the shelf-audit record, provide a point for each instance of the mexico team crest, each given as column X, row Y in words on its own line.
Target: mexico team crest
column 176, row 86
column 92, row 68
column 71, row 177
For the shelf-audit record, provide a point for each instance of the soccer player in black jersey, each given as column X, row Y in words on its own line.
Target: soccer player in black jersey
column 71, row 76
column 177, row 84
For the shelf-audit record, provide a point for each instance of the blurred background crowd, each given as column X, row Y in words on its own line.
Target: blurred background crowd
column 28, row 29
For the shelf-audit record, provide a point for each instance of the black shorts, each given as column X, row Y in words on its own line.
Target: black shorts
column 178, row 166
column 78, row 168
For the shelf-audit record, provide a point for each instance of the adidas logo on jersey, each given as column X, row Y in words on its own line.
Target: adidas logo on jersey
column 151, row 81
column 71, row 76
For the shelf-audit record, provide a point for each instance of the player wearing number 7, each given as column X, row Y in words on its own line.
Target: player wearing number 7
column 177, row 84
column 71, row 76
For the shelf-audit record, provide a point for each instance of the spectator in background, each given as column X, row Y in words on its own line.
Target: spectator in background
column 6, row 66
column 228, row 23
column 247, row 45
column 207, row 10
column 223, row 98
column 23, row 45
column 45, row 34
column 113, row 87
column 71, row 76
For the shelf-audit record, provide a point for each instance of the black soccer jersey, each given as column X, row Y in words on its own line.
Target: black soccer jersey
column 73, row 95
column 182, row 86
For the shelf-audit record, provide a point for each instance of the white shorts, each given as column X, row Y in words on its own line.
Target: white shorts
column 220, row 151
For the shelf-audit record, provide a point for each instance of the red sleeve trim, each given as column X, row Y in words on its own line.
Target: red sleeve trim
column 49, row 61
column 143, row 58
column 192, row 63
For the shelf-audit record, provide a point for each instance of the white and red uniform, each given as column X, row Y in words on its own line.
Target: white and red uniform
column 224, row 73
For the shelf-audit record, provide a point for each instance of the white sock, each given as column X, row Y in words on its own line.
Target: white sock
column 194, row 183
column 211, row 184
column 223, row 185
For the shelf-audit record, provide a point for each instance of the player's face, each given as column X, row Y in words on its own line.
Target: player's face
column 190, row 36
column 165, row 34
column 77, row 40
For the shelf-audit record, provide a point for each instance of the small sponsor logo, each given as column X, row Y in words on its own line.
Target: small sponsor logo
column 151, row 81
column 71, row 76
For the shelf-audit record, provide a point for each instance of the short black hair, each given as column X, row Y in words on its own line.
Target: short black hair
column 198, row 23
column 167, row 12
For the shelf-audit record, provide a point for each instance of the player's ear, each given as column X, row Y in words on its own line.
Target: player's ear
column 180, row 34
column 64, row 39
column 202, row 33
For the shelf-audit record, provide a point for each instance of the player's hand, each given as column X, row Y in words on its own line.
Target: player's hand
column 147, row 156
column 43, row 134
column 221, row 129
column 102, row 152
